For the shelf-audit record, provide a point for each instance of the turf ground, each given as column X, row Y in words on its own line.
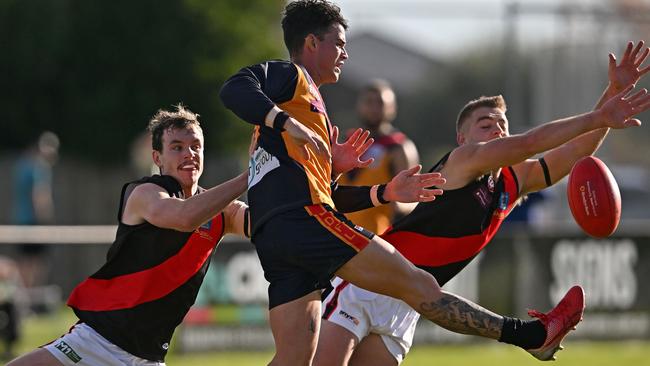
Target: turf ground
column 38, row 330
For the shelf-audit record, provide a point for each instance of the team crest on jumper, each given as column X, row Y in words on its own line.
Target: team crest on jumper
column 260, row 164
column 317, row 106
column 204, row 230
column 206, row 226
column 504, row 198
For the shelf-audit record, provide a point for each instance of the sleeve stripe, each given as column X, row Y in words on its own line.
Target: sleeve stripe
column 373, row 195
column 269, row 120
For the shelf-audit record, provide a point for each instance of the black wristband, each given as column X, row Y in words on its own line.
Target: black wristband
column 380, row 193
column 279, row 120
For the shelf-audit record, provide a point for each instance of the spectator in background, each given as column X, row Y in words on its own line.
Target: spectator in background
column 33, row 203
column 392, row 152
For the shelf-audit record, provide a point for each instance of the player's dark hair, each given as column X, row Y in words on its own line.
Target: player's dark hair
column 170, row 120
column 304, row 17
column 495, row 101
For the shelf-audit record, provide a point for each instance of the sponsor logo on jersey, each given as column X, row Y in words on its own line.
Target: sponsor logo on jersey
column 483, row 197
column 165, row 346
column 68, row 351
column 349, row 317
column 260, row 164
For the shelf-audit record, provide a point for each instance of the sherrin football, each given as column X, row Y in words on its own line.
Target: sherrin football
column 594, row 198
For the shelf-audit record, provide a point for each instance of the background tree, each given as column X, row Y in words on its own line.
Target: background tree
column 94, row 72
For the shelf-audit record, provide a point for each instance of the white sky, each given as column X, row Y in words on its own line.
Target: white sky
column 446, row 27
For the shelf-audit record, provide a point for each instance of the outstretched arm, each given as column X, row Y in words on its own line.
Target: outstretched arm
column 150, row 202
column 473, row 160
column 561, row 159
column 408, row 186
column 412, row 186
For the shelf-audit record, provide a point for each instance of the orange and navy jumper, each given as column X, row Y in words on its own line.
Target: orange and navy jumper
column 300, row 235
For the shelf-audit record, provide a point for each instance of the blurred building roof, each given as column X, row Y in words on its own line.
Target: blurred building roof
column 372, row 56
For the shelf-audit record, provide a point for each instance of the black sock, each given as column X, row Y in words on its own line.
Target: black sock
column 527, row 334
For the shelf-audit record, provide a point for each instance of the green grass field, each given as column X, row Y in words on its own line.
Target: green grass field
column 39, row 330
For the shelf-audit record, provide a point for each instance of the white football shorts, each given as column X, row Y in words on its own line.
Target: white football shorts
column 83, row 346
column 363, row 312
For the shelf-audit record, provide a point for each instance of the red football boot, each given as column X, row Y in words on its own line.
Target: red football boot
column 558, row 322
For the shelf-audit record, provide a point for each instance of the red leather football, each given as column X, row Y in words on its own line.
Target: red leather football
column 594, row 198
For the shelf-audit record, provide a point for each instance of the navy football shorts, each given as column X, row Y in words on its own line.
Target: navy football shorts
column 301, row 249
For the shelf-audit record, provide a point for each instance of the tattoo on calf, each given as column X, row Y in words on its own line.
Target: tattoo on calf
column 312, row 326
column 461, row 316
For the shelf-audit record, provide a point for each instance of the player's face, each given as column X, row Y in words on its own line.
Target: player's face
column 331, row 54
column 485, row 124
column 182, row 156
column 375, row 107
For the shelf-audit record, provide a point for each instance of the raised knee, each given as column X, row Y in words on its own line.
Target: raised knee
column 423, row 287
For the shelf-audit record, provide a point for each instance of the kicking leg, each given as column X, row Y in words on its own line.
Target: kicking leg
column 380, row 268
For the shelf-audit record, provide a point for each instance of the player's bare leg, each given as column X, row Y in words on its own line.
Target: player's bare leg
column 335, row 345
column 295, row 326
column 380, row 268
column 372, row 351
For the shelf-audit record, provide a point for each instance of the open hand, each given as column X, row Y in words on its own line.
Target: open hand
column 619, row 110
column 410, row 186
column 628, row 72
column 347, row 156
